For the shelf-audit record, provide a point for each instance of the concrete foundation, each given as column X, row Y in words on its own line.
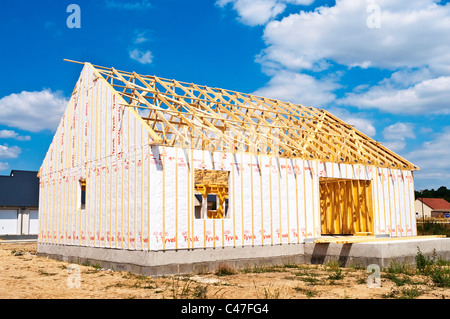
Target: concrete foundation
column 381, row 253
column 187, row 261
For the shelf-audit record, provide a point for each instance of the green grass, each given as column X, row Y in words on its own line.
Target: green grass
column 433, row 228
column 336, row 275
column 434, row 267
column 424, row 264
column 200, row 292
column 44, row 273
column 335, row 269
column 404, row 293
column 441, row 276
column 399, row 268
column 89, row 264
column 224, row 270
column 309, row 278
column 309, row 293
column 410, row 293
column 290, row 265
column 262, row 269
column 437, row 268
column 398, row 279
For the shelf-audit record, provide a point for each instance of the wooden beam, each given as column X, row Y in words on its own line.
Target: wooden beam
column 183, row 112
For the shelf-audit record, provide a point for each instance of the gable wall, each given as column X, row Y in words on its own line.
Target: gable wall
column 96, row 136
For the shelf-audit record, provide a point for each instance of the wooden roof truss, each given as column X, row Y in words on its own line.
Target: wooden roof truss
column 188, row 115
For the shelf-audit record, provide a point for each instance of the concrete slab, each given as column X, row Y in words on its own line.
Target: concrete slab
column 12, row 238
column 361, row 239
column 17, row 241
column 188, row 261
column 155, row 263
column 376, row 252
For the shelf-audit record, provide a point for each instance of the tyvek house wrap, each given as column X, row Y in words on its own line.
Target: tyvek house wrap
column 141, row 196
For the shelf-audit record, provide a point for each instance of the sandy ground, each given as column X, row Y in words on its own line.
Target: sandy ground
column 24, row 275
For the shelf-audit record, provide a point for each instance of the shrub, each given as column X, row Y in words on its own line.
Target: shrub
column 261, row 269
column 336, row 275
column 398, row 280
column 410, row 293
column 200, row 292
column 433, row 228
column 224, row 270
column 440, row 276
column 423, row 263
column 405, row 293
column 309, row 293
column 398, row 268
column 436, row 268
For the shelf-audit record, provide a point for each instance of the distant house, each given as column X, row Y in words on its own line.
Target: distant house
column 19, row 202
column 432, row 207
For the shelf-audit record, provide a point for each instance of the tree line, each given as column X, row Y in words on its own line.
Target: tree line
column 441, row 192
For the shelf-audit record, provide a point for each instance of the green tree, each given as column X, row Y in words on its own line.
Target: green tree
column 441, row 192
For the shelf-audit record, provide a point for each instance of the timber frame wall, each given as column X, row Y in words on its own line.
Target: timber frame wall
column 135, row 142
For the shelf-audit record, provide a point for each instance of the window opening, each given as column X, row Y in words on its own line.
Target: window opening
column 82, row 194
column 211, row 198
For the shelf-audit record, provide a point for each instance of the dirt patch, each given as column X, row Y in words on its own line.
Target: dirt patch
column 24, row 275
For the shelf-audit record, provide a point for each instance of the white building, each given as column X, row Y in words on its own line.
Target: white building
column 431, row 207
column 19, row 200
column 147, row 164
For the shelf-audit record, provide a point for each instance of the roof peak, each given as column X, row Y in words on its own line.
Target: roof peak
column 188, row 115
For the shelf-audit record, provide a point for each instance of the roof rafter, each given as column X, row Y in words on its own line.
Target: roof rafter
column 182, row 114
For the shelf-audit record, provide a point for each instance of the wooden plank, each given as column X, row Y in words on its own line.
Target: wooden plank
column 328, row 130
column 367, row 239
column 182, row 114
column 305, row 132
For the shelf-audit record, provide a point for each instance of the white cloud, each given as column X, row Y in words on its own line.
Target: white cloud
column 395, row 135
column 395, row 145
column 359, row 121
column 299, row 88
column 4, row 166
column 362, row 124
column 412, row 41
column 407, row 77
column 411, row 34
column 254, row 12
column 127, row 5
column 33, row 111
column 141, row 36
column 143, row 57
column 9, row 152
column 14, row 135
column 299, row 2
column 399, row 131
column 432, row 157
column 259, row 12
column 430, row 96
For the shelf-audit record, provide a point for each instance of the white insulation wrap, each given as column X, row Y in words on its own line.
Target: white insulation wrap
column 142, row 197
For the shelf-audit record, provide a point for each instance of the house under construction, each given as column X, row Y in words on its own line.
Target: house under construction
column 141, row 165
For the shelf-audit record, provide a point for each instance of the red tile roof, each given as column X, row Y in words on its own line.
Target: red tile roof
column 436, row 203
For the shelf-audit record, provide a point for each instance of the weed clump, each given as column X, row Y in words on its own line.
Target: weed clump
column 434, row 267
column 336, row 270
column 224, row 270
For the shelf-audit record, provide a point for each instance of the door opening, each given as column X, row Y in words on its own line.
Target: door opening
column 345, row 206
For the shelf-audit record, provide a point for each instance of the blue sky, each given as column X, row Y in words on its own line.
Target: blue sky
column 383, row 66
